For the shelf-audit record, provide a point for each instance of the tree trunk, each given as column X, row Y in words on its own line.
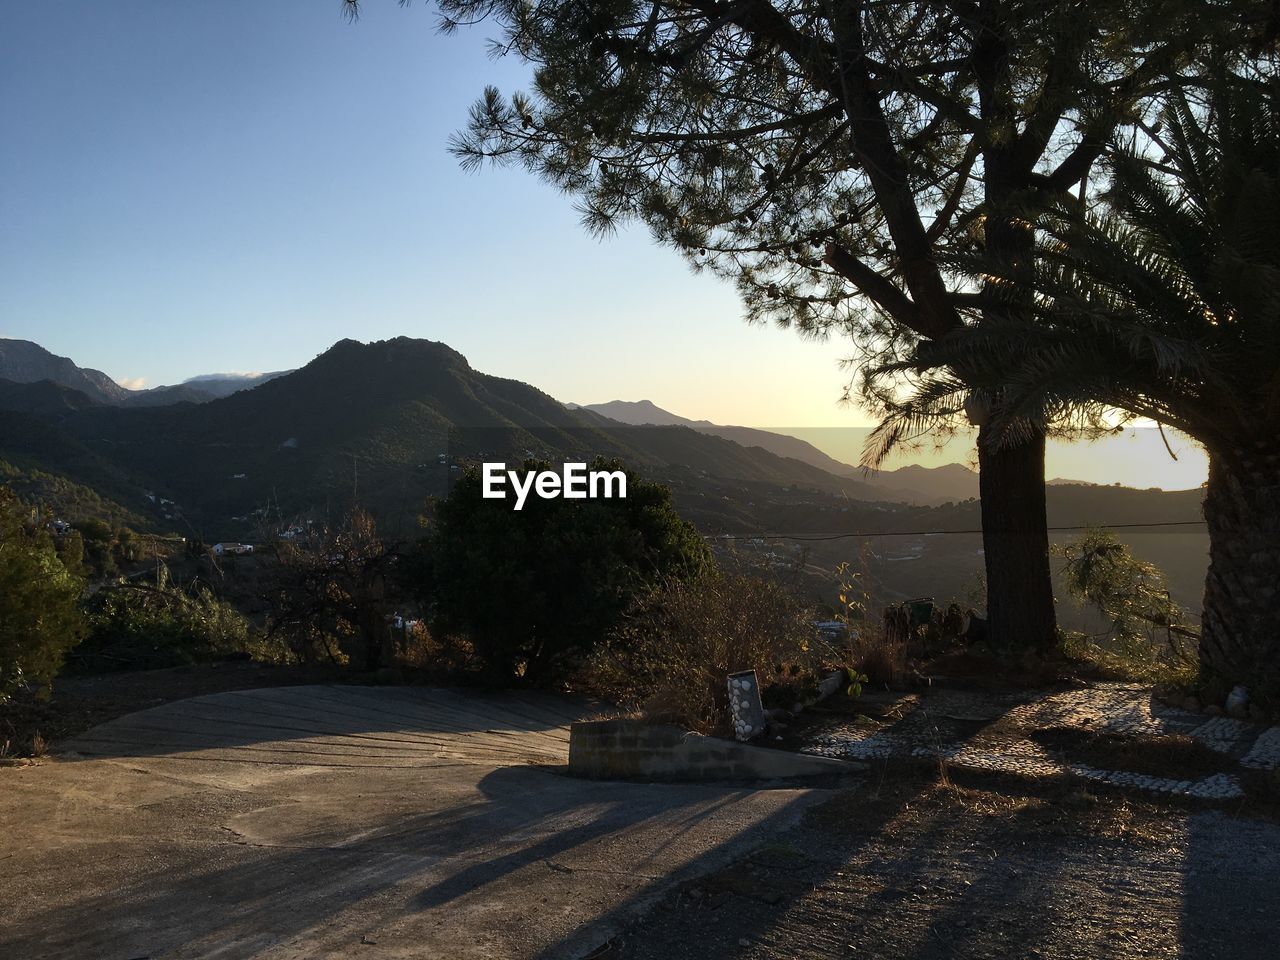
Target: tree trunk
column 1240, row 630
column 1015, row 542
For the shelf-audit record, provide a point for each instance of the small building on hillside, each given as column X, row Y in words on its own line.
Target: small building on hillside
column 231, row 549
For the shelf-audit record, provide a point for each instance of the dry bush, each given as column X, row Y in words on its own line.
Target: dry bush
column 876, row 650
column 415, row 647
column 427, row 654
column 672, row 653
column 878, row 654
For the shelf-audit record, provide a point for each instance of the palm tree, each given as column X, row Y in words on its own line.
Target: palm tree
column 1165, row 305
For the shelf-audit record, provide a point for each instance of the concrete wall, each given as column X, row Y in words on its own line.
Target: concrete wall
column 633, row 750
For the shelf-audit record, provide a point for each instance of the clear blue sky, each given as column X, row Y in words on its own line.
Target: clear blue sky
column 233, row 185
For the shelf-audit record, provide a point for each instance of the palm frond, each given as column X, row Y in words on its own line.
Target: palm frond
column 1165, row 302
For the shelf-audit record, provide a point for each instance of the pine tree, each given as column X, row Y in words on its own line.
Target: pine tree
column 827, row 156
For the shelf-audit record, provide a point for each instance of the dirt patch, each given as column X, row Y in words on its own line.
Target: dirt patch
column 923, row 867
column 912, row 792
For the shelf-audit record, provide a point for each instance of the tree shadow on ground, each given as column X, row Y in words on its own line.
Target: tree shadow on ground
column 531, row 833
column 924, row 868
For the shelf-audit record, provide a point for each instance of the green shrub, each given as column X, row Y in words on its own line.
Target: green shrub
column 1147, row 637
column 140, row 626
column 532, row 592
column 39, row 617
column 98, row 546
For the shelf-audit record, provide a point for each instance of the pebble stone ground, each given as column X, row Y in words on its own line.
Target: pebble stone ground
column 942, row 722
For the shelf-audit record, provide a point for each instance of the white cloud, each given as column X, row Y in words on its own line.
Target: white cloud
column 133, row 383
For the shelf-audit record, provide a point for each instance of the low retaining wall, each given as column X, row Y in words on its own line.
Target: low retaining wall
column 632, row 750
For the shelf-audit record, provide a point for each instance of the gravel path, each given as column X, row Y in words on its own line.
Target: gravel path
column 993, row 733
column 941, row 872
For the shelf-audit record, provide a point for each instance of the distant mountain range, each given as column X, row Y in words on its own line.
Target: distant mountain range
column 910, row 484
column 388, row 419
column 22, row 361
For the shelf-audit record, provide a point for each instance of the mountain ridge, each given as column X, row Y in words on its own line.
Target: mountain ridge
column 24, row 361
column 912, row 483
column 380, row 415
column 390, row 419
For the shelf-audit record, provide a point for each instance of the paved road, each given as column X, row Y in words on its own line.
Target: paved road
column 332, row 821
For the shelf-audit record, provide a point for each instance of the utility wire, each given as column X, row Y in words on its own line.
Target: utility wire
column 934, row 533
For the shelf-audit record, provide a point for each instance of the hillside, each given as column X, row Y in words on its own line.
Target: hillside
column 950, row 481
column 388, row 421
column 61, row 497
column 646, row 413
column 42, row 398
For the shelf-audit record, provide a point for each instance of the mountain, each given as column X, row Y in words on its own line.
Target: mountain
column 215, row 385
column 389, row 420
column 647, row 413
column 162, row 396
column 640, row 413
column 950, row 481
column 909, row 484
column 22, row 361
column 201, row 389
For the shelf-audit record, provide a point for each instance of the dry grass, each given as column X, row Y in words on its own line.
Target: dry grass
column 670, row 657
column 882, row 659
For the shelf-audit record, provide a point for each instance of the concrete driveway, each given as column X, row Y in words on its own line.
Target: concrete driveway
column 333, row 821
